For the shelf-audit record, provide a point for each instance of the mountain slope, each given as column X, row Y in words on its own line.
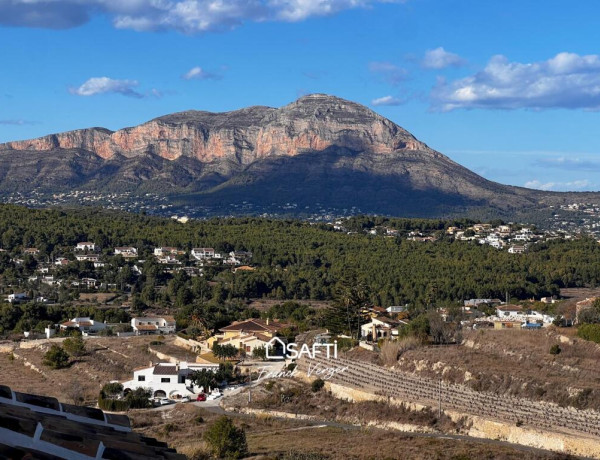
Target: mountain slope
column 318, row 149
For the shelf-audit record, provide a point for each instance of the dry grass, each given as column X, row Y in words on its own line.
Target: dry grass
column 516, row 362
column 110, row 358
column 296, row 397
column 337, row 443
column 270, row 438
column 391, row 351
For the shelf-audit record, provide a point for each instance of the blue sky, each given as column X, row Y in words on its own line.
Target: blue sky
column 509, row 89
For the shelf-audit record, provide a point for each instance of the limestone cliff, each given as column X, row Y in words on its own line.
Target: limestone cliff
column 318, row 149
column 312, row 123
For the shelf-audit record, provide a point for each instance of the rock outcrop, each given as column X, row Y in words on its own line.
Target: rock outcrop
column 312, row 123
column 317, row 149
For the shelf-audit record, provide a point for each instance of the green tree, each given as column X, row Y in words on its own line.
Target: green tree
column 56, row 357
column 259, row 353
column 226, row 440
column 74, row 346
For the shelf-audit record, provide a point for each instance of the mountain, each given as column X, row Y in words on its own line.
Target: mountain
column 317, row 152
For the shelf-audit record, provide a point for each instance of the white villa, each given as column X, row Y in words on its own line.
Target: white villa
column 85, row 246
column 507, row 311
column 86, row 325
column 126, row 252
column 19, row 297
column 88, row 257
column 153, row 325
column 167, row 379
column 380, row 328
column 166, row 251
column 204, row 253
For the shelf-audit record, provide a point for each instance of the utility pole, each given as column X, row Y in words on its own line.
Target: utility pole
column 440, row 401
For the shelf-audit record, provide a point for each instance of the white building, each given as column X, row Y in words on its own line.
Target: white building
column 126, row 252
column 516, row 249
column 86, row 325
column 380, row 328
column 18, row 297
column 88, row 257
column 165, row 251
column 167, row 379
column 85, row 246
column 508, row 311
column 153, row 325
column 203, row 253
column 396, row 309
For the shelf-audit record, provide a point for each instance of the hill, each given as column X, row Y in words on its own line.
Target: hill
column 319, row 152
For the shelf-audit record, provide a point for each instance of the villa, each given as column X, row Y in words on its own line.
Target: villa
column 167, row 379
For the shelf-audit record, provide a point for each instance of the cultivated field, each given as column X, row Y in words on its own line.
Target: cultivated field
column 516, row 362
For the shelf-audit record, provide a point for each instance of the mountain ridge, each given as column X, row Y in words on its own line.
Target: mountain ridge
column 318, row 148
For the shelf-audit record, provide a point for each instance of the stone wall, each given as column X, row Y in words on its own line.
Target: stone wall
column 411, row 388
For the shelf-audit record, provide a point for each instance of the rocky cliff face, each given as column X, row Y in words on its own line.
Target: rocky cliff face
column 312, row 123
column 318, row 149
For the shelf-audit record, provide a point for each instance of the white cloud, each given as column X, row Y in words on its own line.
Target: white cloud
column 17, row 122
column 186, row 16
column 570, row 163
column 575, row 185
column 439, row 58
column 387, row 100
column 102, row 85
column 198, row 73
column 567, row 80
column 391, row 73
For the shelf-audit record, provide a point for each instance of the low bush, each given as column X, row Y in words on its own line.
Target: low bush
column 589, row 332
column 317, row 385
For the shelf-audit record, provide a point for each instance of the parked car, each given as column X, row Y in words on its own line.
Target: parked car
column 185, row 399
column 165, row 401
column 201, row 397
column 214, row 395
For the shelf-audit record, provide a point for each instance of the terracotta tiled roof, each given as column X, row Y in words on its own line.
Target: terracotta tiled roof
column 165, row 370
column 146, row 327
column 253, row 325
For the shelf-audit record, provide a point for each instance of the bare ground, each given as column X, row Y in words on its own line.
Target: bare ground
column 516, row 362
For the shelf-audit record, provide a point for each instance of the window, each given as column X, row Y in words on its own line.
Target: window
column 141, row 378
column 165, row 380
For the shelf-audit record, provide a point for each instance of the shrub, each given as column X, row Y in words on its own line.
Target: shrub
column 225, row 439
column 291, row 367
column 555, row 349
column 169, row 428
column 56, row 357
column 259, row 353
column 198, row 420
column 75, row 346
column 113, row 405
column 317, row 385
column 139, row 398
column 112, row 389
column 156, row 342
column 589, row 332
